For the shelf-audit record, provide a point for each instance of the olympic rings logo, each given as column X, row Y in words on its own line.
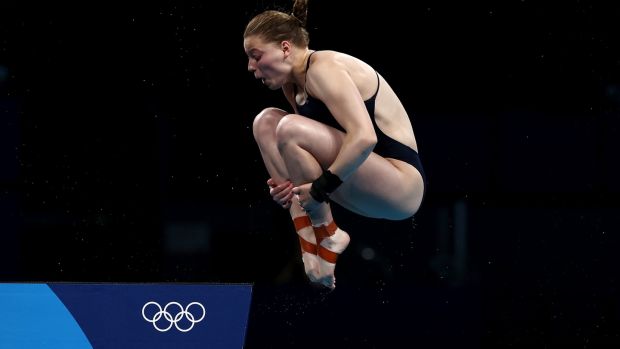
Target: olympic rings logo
column 174, row 320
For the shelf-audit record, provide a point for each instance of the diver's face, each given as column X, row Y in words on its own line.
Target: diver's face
column 266, row 61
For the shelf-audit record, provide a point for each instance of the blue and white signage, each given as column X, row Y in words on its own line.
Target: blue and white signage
column 89, row 315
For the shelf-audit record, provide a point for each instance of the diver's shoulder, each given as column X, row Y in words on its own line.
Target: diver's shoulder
column 331, row 58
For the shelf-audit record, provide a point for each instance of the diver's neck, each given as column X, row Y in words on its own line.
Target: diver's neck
column 299, row 70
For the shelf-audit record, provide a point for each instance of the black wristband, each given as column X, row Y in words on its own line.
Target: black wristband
column 324, row 185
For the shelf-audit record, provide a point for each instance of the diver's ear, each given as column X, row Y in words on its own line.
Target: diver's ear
column 286, row 47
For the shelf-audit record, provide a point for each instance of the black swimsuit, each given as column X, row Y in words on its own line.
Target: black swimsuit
column 386, row 146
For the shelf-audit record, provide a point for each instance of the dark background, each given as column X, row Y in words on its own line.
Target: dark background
column 126, row 155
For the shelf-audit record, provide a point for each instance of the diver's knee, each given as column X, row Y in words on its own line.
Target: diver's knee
column 288, row 129
column 267, row 121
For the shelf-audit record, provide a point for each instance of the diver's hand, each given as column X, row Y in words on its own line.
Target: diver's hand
column 305, row 200
column 281, row 193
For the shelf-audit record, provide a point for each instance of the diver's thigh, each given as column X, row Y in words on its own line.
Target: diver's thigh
column 379, row 189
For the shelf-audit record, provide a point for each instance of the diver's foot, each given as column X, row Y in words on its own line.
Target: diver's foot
column 328, row 250
column 307, row 242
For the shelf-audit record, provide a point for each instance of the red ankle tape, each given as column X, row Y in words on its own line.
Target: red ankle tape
column 301, row 222
column 323, row 231
column 327, row 255
column 307, row 246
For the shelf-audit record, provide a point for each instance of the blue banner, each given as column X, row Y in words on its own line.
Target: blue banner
column 88, row 315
